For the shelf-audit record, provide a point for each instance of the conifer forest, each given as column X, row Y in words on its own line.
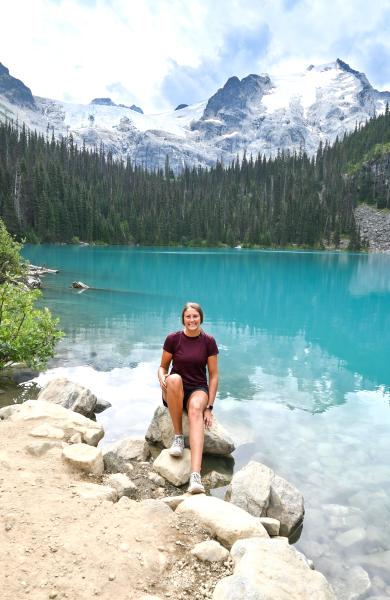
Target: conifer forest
column 54, row 191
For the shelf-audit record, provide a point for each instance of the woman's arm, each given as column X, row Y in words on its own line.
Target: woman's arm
column 212, row 366
column 162, row 372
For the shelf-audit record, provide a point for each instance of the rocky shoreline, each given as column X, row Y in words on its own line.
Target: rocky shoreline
column 82, row 520
column 374, row 227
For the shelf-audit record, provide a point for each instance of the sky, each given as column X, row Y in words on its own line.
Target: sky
column 160, row 53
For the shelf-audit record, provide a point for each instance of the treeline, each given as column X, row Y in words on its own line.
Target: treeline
column 53, row 191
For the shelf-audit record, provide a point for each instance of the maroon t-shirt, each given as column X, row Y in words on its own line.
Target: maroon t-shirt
column 189, row 356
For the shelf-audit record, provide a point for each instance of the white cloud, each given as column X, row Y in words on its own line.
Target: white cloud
column 76, row 49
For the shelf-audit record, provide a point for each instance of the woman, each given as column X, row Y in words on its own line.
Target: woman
column 185, row 387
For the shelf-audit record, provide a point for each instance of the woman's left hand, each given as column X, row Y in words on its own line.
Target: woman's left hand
column 208, row 418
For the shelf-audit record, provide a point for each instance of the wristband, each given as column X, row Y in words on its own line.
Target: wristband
column 209, row 407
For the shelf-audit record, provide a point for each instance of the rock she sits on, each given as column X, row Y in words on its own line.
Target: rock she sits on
column 160, row 432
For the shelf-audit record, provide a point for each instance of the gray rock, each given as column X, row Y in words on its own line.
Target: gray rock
column 84, row 457
column 118, row 456
column 210, row 551
column 48, row 431
column 7, row 411
column 223, row 520
column 69, row 395
column 173, row 501
column 176, row 470
column 94, row 491
column 271, row 570
column 215, row 479
column 57, row 419
column 121, row 483
column 261, row 492
column 286, row 505
column 160, row 432
column 101, row 405
column 157, row 479
column 40, row 448
column 250, row 488
column 272, row 526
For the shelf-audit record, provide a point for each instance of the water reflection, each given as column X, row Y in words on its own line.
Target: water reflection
column 314, row 297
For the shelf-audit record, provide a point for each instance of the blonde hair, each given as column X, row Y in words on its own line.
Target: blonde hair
column 195, row 306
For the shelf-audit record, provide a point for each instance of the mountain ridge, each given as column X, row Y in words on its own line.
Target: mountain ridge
column 258, row 114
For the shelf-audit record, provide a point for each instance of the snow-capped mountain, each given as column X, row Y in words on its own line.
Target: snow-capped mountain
column 257, row 114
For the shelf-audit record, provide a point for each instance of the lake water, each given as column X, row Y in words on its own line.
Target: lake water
column 304, row 342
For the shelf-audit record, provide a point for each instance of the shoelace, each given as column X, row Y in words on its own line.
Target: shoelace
column 195, row 478
column 178, row 442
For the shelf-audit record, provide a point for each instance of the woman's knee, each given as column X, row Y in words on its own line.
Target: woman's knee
column 174, row 381
column 195, row 408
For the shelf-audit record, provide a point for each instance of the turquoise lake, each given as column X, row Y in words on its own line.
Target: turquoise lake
column 304, row 341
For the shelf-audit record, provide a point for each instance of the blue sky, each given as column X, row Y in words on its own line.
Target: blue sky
column 159, row 53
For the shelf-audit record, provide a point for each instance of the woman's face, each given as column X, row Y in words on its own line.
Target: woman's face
column 191, row 319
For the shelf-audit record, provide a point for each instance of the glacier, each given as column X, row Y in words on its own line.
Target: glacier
column 257, row 114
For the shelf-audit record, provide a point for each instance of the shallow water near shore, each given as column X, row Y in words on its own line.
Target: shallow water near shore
column 304, row 341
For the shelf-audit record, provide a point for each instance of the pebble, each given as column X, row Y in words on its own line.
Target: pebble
column 124, row 547
column 53, row 595
column 111, row 577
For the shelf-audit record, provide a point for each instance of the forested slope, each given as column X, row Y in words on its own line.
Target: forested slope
column 54, row 192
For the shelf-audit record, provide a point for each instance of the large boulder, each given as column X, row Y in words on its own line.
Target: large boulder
column 223, row 520
column 250, row 488
column 160, row 432
column 175, row 470
column 258, row 490
column 271, row 570
column 55, row 422
column 286, row 505
column 69, row 395
column 119, row 455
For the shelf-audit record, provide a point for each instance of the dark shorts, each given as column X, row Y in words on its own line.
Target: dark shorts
column 187, row 393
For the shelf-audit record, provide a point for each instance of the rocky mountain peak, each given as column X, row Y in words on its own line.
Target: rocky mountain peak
column 237, row 95
column 103, row 102
column 14, row 90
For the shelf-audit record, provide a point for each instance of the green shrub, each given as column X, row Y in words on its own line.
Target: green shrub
column 10, row 261
column 27, row 334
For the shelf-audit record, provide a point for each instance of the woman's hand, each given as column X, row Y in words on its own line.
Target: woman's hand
column 163, row 382
column 208, row 418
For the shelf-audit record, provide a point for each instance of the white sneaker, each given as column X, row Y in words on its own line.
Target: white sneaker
column 196, row 486
column 177, row 447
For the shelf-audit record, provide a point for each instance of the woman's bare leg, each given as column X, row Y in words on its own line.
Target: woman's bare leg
column 196, row 405
column 174, row 399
